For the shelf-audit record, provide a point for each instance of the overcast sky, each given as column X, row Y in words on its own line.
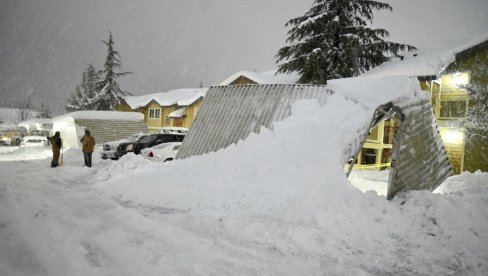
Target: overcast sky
column 46, row 44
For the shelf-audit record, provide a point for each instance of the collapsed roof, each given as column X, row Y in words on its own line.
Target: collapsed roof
column 231, row 113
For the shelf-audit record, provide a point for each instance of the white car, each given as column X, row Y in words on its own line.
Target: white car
column 109, row 149
column 162, row 152
column 34, row 141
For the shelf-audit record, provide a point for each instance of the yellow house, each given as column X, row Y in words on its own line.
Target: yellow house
column 176, row 108
column 447, row 74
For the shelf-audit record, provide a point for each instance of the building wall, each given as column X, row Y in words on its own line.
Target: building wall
column 191, row 113
column 474, row 64
column 467, row 147
column 155, row 124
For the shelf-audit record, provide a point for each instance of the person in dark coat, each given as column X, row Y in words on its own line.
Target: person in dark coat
column 56, row 144
column 88, row 146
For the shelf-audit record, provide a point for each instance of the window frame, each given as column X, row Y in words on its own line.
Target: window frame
column 154, row 113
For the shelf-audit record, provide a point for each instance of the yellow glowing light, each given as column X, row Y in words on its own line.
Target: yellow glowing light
column 460, row 79
column 452, row 136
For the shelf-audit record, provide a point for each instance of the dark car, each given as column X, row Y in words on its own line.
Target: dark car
column 109, row 149
column 147, row 142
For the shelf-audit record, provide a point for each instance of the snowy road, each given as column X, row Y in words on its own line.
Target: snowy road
column 54, row 222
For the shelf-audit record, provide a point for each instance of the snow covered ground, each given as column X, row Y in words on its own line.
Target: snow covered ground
column 276, row 203
column 273, row 204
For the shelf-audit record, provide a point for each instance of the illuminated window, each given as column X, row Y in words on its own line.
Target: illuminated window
column 453, row 109
column 154, row 113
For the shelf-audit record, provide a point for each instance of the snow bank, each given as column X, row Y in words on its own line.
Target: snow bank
column 286, row 190
column 239, row 173
column 25, row 153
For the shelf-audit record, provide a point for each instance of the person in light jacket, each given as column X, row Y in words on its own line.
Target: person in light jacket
column 88, row 145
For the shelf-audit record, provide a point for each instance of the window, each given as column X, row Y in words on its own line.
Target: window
column 369, row 156
column 453, row 109
column 154, row 113
column 167, row 121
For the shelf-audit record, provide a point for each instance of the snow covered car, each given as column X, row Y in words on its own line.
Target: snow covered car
column 162, row 152
column 109, row 149
column 3, row 143
column 174, row 130
column 34, row 141
column 147, row 142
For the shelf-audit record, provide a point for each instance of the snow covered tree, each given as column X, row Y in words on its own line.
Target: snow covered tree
column 45, row 111
column 86, row 91
column 109, row 93
column 332, row 40
column 477, row 117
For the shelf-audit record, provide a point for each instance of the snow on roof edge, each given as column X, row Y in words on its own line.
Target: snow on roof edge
column 372, row 92
column 267, row 77
column 183, row 96
column 101, row 115
column 426, row 63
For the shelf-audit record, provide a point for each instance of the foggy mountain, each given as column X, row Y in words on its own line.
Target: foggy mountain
column 45, row 45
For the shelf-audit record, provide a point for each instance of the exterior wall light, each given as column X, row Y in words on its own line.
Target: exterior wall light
column 452, row 135
column 460, row 79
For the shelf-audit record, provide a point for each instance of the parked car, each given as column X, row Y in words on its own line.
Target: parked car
column 162, row 152
column 147, row 142
column 109, row 149
column 3, row 143
column 34, row 141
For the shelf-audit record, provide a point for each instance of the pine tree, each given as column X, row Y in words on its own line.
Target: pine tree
column 109, row 93
column 86, row 91
column 332, row 40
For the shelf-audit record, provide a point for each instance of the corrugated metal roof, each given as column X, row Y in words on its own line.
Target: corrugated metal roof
column 230, row 113
column 419, row 159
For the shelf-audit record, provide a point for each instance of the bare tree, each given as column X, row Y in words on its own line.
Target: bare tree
column 25, row 110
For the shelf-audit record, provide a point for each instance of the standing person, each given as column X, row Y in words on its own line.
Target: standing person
column 56, row 143
column 88, row 145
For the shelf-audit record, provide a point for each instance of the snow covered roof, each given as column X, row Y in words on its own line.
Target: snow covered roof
column 182, row 97
column 269, row 77
column 426, row 63
column 9, row 117
column 36, row 121
column 8, row 114
column 375, row 91
column 179, row 113
column 102, row 115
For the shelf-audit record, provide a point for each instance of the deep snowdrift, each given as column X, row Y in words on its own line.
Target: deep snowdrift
column 285, row 189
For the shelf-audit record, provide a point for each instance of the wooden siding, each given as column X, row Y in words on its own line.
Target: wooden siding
column 110, row 130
